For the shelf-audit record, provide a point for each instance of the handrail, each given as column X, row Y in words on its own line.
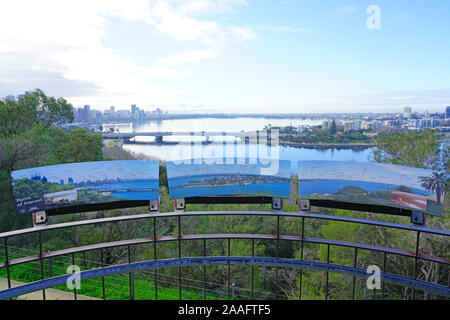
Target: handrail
column 275, row 237
column 205, row 213
column 195, row 261
column 120, row 243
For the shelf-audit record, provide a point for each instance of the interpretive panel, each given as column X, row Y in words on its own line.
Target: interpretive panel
column 64, row 185
column 224, row 179
column 370, row 183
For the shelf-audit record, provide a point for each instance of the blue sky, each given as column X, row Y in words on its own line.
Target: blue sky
column 230, row 55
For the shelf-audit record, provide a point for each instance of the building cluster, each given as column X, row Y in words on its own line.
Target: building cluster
column 401, row 121
column 85, row 114
column 354, row 125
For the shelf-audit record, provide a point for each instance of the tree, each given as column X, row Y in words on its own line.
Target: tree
column 78, row 146
column 333, row 128
column 48, row 110
column 435, row 183
column 414, row 149
column 32, row 108
column 29, row 137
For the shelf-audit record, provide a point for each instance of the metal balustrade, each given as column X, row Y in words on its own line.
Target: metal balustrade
column 182, row 261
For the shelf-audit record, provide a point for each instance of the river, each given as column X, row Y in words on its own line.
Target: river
column 177, row 151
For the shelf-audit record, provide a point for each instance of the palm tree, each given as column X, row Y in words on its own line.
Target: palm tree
column 435, row 183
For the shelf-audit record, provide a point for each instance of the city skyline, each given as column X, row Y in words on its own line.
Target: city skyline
column 206, row 56
column 93, row 171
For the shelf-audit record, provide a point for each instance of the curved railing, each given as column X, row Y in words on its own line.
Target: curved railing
column 229, row 260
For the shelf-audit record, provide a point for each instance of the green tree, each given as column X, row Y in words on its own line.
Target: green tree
column 30, row 137
column 78, row 146
column 48, row 110
column 333, row 128
column 414, row 149
column 33, row 108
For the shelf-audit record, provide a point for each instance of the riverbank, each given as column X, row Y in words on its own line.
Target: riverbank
column 326, row 145
column 120, row 143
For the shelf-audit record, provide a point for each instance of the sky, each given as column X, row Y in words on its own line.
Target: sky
column 233, row 56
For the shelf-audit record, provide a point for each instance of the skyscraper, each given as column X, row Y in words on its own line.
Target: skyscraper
column 407, row 112
column 447, row 113
column 80, row 114
column 87, row 113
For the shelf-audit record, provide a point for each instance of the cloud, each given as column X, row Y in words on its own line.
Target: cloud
column 181, row 22
column 54, row 44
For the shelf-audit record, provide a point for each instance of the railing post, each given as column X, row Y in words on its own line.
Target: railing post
column 415, row 261
column 131, row 278
column 253, row 268
column 49, row 267
column 354, row 277
column 8, row 275
column 179, row 255
column 41, row 259
column 229, row 268
column 155, row 280
column 277, row 256
column 74, row 287
column 301, row 258
column 204, row 270
column 103, row 278
column 326, row 283
column 384, row 270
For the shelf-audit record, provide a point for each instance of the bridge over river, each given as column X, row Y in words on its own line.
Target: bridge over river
column 128, row 136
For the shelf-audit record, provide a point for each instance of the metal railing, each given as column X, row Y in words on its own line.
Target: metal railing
column 180, row 261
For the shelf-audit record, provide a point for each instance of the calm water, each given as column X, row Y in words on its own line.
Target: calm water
column 209, row 124
column 184, row 151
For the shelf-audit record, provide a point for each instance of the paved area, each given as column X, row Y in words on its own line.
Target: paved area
column 50, row 294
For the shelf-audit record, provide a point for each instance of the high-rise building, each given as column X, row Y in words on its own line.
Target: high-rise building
column 349, row 126
column 159, row 113
column 447, row 113
column 407, row 112
column 80, row 113
column 87, row 113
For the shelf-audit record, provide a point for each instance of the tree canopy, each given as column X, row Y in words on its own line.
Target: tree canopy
column 415, row 149
column 31, row 135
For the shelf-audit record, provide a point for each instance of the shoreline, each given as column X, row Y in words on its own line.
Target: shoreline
column 326, row 145
column 284, row 144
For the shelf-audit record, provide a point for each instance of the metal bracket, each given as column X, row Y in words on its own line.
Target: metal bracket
column 39, row 218
column 304, row 205
column 153, row 205
column 418, row 218
column 179, row 204
column 277, row 204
